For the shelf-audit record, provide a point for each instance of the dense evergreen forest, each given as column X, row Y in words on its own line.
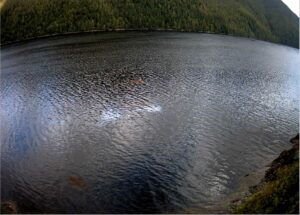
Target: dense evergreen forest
column 267, row 20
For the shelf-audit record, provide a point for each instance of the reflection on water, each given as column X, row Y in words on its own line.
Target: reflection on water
column 140, row 122
column 114, row 114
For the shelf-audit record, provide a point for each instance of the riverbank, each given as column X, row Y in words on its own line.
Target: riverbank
column 278, row 192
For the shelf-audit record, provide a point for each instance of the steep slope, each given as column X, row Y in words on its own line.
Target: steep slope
column 281, row 21
column 268, row 20
column 278, row 192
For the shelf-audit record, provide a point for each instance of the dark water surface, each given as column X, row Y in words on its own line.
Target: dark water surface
column 141, row 122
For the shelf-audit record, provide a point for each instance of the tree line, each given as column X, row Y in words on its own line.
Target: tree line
column 262, row 19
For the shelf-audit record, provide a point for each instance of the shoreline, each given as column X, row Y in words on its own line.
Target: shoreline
column 145, row 30
column 248, row 185
column 278, row 189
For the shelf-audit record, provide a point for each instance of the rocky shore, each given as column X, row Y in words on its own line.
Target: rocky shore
column 278, row 192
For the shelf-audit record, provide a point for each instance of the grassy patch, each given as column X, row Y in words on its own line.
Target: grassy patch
column 279, row 191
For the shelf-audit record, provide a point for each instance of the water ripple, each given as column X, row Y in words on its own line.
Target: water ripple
column 140, row 122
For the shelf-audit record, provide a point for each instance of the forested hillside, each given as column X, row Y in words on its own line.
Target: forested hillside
column 268, row 20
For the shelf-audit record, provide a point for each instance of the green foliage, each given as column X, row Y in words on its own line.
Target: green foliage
column 278, row 196
column 279, row 193
column 262, row 19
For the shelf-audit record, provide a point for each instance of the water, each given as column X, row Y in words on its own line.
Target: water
column 141, row 122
